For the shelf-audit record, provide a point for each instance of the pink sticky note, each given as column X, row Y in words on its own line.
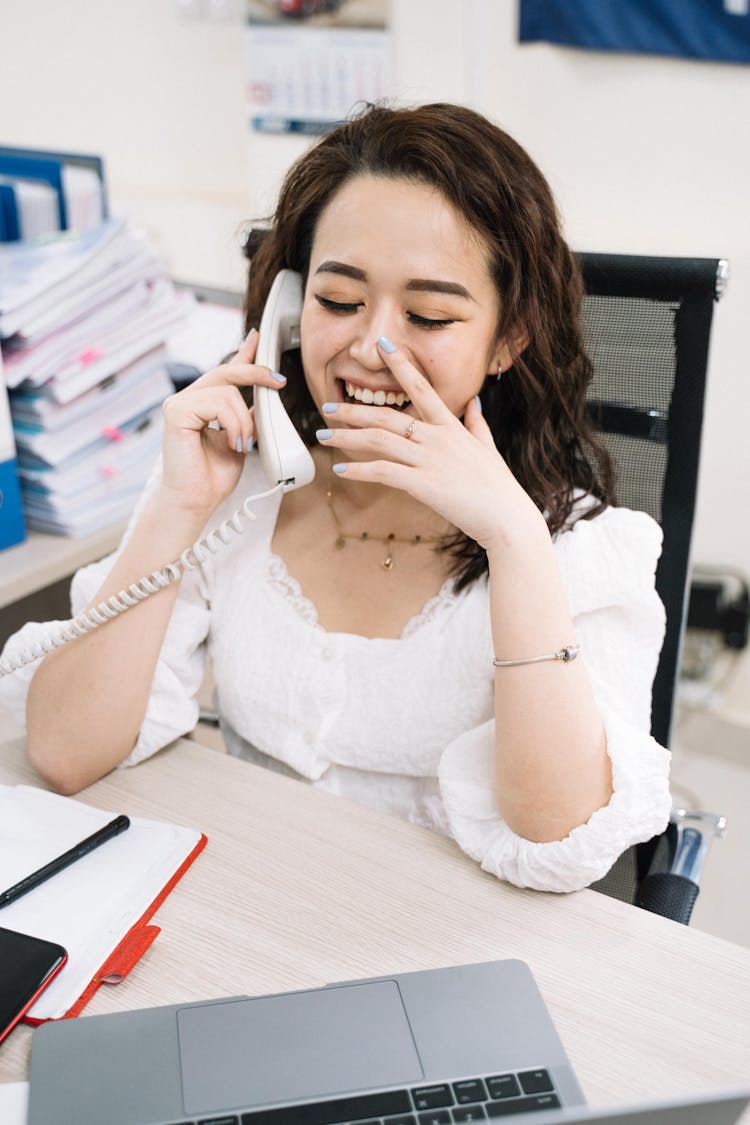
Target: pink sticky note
column 89, row 356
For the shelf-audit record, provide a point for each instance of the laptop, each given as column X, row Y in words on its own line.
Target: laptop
column 461, row 1044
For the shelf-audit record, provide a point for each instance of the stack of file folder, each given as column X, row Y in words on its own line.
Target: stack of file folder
column 84, row 320
column 44, row 192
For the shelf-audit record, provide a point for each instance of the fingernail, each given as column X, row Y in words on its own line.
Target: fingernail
column 323, row 435
column 250, row 334
column 478, row 401
column 340, row 469
column 250, row 444
column 330, row 407
column 239, row 445
column 278, row 377
column 387, row 345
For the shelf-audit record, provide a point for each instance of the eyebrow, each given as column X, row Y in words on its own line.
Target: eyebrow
column 428, row 285
column 343, row 269
column 416, row 285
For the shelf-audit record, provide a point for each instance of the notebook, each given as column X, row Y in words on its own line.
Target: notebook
column 99, row 907
column 465, row 1043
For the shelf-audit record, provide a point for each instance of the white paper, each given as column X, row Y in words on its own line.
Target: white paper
column 14, row 1102
column 55, row 446
column 33, row 275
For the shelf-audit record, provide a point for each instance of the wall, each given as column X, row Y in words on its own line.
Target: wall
column 645, row 154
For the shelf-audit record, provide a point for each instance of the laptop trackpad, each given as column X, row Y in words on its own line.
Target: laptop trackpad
column 312, row 1044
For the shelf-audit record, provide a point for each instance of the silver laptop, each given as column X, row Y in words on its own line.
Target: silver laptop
column 462, row 1044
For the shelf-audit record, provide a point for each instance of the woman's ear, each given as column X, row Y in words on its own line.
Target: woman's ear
column 508, row 350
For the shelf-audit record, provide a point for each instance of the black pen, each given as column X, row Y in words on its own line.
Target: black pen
column 114, row 828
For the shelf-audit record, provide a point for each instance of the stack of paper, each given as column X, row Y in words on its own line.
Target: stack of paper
column 83, row 324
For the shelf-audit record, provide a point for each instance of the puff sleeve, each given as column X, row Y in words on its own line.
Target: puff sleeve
column 608, row 566
column 172, row 707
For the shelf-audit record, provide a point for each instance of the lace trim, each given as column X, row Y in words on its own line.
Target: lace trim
column 290, row 590
column 442, row 600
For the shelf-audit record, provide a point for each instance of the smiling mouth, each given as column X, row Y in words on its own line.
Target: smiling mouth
column 351, row 393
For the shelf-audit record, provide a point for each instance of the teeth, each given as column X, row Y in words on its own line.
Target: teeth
column 376, row 398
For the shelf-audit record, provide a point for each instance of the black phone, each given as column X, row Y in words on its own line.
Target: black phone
column 27, row 965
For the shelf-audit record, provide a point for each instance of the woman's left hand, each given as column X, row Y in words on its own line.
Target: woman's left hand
column 451, row 466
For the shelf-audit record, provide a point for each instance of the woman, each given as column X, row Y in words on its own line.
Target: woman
column 372, row 631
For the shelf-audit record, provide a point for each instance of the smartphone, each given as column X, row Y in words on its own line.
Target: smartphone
column 27, row 965
column 285, row 458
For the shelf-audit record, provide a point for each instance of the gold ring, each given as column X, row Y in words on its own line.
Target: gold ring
column 409, row 432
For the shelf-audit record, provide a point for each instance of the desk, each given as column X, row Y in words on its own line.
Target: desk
column 297, row 888
column 43, row 559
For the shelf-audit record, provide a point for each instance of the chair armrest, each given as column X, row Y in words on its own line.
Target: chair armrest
column 673, row 892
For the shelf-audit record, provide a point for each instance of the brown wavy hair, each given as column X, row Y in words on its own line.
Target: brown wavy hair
column 536, row 411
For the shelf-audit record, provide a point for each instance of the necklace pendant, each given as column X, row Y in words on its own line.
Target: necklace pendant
column 387, row 563
column 340, row 541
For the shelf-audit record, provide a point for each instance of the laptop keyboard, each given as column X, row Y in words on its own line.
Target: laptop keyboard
column 471, row 1099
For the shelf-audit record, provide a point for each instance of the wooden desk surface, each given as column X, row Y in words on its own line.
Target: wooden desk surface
column 297, row 888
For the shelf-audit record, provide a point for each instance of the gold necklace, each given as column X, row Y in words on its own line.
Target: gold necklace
column 365, row 536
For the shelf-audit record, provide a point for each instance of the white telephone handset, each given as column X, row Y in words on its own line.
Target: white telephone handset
column 286, row 462
column 285, row 458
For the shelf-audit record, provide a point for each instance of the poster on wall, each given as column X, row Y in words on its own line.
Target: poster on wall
column 715, row 30
column 310, row 62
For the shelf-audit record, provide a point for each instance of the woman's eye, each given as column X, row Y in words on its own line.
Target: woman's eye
column 344, row 308
column 428, row 322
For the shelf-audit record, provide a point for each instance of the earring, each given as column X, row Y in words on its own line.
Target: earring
column 499, row 371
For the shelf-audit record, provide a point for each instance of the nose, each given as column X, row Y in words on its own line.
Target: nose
column 363, row 347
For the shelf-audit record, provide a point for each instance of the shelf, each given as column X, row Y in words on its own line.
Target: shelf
column 44, row 559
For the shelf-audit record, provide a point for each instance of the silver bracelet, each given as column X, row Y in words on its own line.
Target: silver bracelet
column 570, row 652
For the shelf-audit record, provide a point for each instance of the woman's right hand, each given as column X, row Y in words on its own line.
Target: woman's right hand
column 202, row 465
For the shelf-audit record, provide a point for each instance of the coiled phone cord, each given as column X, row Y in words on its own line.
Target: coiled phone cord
column 138, row 591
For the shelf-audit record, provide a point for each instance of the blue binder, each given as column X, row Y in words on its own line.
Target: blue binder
column 31, row 167
column 37, row 164
column 10, row 228
column 12, row 529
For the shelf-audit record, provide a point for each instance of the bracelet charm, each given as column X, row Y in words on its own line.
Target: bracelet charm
column 566, row 654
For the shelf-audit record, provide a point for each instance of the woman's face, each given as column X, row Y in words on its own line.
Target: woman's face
column 394, row 258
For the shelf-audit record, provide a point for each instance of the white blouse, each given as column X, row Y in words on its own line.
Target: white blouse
column 406, row 725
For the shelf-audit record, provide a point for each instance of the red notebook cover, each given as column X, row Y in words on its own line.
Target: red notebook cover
column 129, row 951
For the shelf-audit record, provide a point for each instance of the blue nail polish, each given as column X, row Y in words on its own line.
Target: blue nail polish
column 330, row 407
column 323, row 435
column 278, row 377
column 387, row 345
column 239, row 445
column 250, row 444
column 340, row 469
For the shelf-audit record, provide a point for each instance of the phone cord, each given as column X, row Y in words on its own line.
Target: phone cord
column 190, row 558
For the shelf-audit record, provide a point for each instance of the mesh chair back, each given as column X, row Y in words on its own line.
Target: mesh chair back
column 646, row 323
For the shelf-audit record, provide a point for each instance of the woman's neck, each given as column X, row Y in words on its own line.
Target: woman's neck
column 375, row 508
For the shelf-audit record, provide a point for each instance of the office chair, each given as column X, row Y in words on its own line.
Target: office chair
column 646, row 323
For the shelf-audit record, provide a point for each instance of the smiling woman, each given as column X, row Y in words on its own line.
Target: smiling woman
column 439, row 624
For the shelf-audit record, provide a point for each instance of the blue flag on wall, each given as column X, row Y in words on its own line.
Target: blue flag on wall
column 717, row 30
